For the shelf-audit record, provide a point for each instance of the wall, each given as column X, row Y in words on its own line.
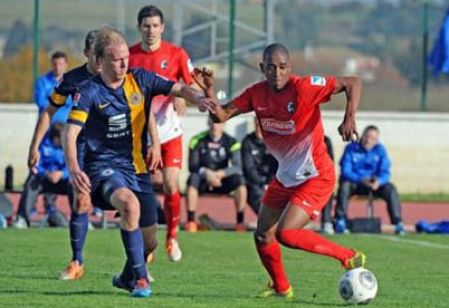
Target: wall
column 417, row 142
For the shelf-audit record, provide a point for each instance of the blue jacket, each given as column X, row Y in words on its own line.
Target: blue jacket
column 357, row 163
column 42, row 90
column 52, row 159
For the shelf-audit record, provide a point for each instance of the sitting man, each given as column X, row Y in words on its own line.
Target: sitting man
column 52, row 176
column 259, row 166
column 210, row 155
column 365, row 169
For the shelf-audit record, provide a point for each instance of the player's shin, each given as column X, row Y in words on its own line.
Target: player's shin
column 312, row 242
column 172, row 211
column 271, row 257
column 133, row 242
column 78, row 230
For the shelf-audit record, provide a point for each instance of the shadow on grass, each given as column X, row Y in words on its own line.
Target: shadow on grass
column 28, row 276
column 62, row 293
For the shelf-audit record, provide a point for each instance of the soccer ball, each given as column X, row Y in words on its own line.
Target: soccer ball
column 357, row 286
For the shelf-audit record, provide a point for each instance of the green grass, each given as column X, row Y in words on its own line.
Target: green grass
column 219, row 269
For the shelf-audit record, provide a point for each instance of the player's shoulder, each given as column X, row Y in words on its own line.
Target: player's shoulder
column 197, row 139
column 257, row 87
column 311, row 80
column 380, row 148
column 77, row 74
column 136, row 48
column 172, row 48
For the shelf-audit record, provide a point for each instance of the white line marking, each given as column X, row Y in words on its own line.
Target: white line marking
column 413, row 242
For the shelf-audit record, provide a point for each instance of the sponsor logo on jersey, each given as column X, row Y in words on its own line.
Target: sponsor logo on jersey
column 117, row 122
column 164, row 64
column 318, row 81
column 291, row 107
column 136, row 98
column 278, row 127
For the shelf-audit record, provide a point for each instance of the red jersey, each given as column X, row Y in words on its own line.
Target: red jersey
column 291, row 124
column 173, row 63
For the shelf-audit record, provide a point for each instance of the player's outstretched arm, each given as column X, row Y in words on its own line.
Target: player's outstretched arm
column 79, row 179
column 192, row 95
column 40, row 130
column 352, row 86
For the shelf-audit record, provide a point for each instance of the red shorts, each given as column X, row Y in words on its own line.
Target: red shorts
column 311, row 195
column 171, row 152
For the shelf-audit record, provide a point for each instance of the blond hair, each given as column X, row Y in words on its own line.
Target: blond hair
column 106, row 37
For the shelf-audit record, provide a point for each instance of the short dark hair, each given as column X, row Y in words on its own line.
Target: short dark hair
column 58, row 55
column 370, row 127
column 149, row 11
column 89, row 41
column 272, row 48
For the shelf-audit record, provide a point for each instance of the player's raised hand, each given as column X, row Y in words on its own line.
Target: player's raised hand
column 80, row 181
column 348, row 130
column 33, row 160
column 204, row 77
column 179, row 104
column 154, row 157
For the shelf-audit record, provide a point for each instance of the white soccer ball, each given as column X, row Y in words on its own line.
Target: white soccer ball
column 357, row 286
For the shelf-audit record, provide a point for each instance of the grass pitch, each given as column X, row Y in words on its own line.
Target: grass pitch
column 219, row 269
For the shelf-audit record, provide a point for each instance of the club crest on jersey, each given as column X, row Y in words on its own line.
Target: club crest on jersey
column 278, row 127
column 164, row 64
column 291, row 107
column 136, row 98
column 318, row 81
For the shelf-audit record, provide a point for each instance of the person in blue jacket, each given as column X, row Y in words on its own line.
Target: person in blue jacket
column 365, row 169
column 52, row 177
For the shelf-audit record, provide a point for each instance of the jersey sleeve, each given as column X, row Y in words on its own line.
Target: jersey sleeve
column 319, row 89
column 244, row 102
column 59, row 95
column 185, row 67
column 82, row 102
column 155, row 84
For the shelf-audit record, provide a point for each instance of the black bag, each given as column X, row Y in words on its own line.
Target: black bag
column 365, row 225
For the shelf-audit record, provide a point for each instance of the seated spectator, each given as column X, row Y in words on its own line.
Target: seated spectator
column 326, row 219
column 365, row 168
column 52, row 176
column 259, row 167
column 215, row 167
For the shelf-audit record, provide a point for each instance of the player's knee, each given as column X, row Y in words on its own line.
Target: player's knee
column 150, row 246
column 263, row 237
column 170, row 186
column 82, row 203
column 131, row 212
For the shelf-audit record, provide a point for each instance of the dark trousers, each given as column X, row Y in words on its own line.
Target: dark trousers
column 255, row 194
column 386, row 192
column 37, row 184
column 326, row 215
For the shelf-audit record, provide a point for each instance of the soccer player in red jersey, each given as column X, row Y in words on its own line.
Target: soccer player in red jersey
column 173, row 63
column 288, row 110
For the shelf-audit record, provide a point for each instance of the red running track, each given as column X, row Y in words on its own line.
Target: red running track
column 222, row 210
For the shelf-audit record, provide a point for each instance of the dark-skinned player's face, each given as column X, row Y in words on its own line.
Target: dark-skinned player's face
column 276, row 68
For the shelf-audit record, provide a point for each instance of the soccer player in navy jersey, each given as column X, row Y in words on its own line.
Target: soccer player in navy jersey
column 58, row 99
column 113, row 110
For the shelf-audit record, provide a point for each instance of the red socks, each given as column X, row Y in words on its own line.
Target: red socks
column 172, row 211
column 312, row 242
column 270, row 255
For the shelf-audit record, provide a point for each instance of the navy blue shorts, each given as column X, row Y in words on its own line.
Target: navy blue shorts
column 110, row 182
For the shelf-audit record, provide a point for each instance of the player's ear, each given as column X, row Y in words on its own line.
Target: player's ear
column 162, row 27
column 261, row 67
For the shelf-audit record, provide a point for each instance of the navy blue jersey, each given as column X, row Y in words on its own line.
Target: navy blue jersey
column 115, row 122
column 69, row 85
